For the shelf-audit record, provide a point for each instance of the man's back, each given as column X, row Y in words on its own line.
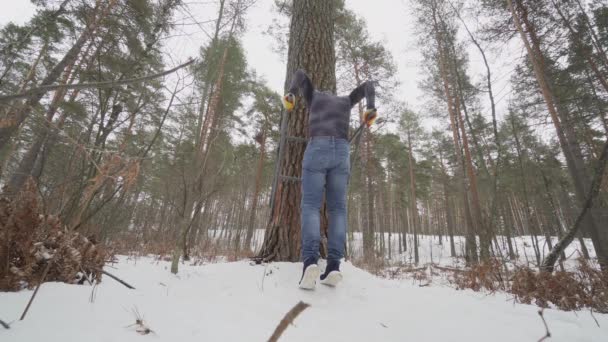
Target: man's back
column 329, row 115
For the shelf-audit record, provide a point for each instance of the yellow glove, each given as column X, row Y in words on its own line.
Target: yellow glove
column 370, row 115
column 289, row 101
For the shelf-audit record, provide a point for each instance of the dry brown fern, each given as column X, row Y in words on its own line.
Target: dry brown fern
column 30, row 240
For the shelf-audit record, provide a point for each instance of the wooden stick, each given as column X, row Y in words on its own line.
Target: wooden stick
column 547, row 333
column 118, row 279
column 448, row 269
column 5, row 325
column 287, row 320
column 46, row 270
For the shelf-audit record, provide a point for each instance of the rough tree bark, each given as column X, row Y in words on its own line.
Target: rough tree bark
column 311, row 47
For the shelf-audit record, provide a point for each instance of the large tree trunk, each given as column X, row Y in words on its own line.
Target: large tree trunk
column 575, row 165
column 311, row 47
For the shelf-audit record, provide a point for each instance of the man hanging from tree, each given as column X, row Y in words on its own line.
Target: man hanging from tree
column 326, row 166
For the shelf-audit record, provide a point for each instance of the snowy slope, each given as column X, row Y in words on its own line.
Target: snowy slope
column 236, row 302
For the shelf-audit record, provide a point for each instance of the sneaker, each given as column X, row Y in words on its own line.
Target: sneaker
column 332, row 275
column 310, row 274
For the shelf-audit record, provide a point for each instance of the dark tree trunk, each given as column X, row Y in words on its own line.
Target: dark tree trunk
column 311, row 47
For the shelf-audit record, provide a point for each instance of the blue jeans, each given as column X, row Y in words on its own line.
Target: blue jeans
column 326, row 166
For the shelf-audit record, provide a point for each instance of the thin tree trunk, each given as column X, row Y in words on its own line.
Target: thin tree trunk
column 5, row 152
column 549, row 262
column 13, row 120
column 414, row 208
column 256, row 192
column 522, row 175
column 448, row 211
column 575, row 165
column 471, row 244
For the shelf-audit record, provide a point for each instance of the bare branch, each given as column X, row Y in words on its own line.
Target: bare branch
column 107, row 84
column 287, row 320
column 46, row 271
column 547, row 333
column 118, row 280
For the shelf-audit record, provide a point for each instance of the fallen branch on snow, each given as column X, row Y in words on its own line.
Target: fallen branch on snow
column 118, row 279
column 46, row 271
column 140, row 327
column 447, row 269
column 5, row 325
column 287, row 320
column 547, row 333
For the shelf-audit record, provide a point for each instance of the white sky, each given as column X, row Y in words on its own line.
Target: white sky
column 389, row 21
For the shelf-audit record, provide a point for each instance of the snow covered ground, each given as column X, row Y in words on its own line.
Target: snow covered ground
column 242, row 302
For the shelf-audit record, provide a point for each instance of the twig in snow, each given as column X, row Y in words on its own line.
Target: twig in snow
column 593, row 316
column 118, row 280
column 46, row 270
column 5, row 325
column 84, row 275
column 287, row 320
column 140, row 327
column 93, row 294
column 547, row 333
column 448, row 269
column 264, row 277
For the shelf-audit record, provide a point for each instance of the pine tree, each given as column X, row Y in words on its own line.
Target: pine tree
column 311, row 48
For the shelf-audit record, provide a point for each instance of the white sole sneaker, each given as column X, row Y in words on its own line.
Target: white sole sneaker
column 332, row 279
column 309, row 280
